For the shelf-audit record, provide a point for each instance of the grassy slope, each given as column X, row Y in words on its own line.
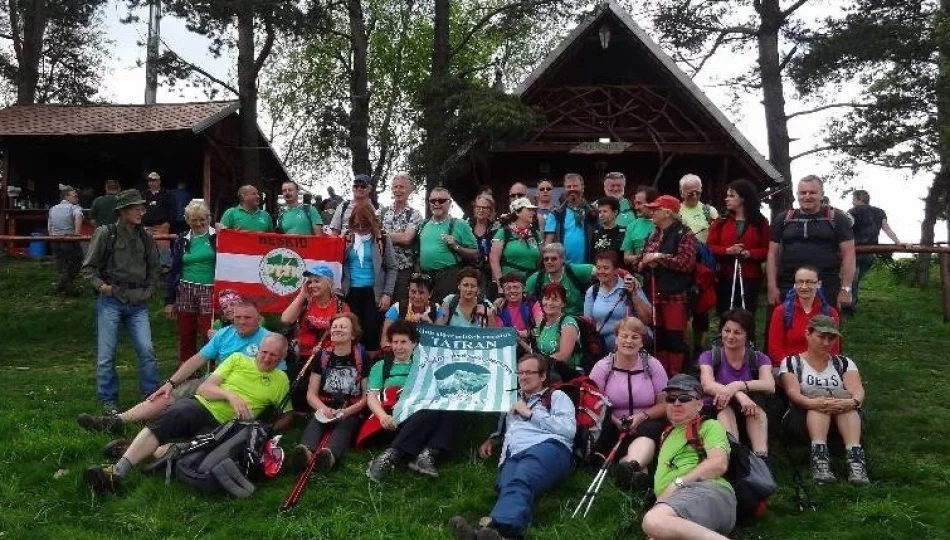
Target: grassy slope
column 47, row 350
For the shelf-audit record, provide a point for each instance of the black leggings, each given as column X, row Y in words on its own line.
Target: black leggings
column 341, row 438
column 427, row 429
column 362, row 301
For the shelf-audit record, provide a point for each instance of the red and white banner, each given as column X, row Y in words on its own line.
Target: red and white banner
column 267, row 268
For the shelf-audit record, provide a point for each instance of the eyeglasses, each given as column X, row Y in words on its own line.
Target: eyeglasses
column 806, row 282
column 545, row 189
column 529, row 372
column 438, row 201
column 682, row 398
column 517, row 195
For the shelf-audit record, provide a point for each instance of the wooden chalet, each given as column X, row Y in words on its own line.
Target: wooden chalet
column 612, row 100
column 43, row 146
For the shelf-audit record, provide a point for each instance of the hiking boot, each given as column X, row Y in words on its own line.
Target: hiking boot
column 299, row 458
column 110, row 423
column 630, row 475
column 821, row 464
column 489, row 533
column 116, row 449
column 325, row 460
column 382, row 464
column 109, row 408
column 102, row 479
column 857, row 467
column 461, row 529
column 425, row 463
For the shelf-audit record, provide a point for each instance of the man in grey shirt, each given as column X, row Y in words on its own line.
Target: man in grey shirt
column 65, row 219
column 362, row 192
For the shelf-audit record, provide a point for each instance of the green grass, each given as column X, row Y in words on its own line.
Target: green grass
column 47, row 351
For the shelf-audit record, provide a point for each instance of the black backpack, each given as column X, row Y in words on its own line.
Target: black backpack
column 227, row 459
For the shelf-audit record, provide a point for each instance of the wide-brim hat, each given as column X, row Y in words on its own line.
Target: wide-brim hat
column 128, row 197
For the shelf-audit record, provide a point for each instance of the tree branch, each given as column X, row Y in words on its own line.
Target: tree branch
column 825, row 149
column 793, row 8
column 788, row 57
column 15, row 30
column 266, row 49
column 720, row 39
column 199, row 70
column 826, row 107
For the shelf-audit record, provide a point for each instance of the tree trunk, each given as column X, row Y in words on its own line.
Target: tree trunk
column 29, row 47
column 773, row 98
column 434, row 108
column 359, row 91
column 938, row 197
column 247, row 94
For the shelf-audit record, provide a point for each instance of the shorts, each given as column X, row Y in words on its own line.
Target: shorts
column 184, row 419
column 651, row 429
column 188, row 389
column 705, row 503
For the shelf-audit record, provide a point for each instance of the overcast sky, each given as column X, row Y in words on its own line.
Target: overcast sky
column 896, row 192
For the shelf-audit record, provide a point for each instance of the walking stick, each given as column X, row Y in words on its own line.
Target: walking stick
column 737, row 278
column 598, row 481
column 656, row 330
column 304, row 477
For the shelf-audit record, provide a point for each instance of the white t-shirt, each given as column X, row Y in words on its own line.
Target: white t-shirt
column 826, row 383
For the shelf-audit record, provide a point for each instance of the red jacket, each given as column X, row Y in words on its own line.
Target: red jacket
column 723, row 235
column 790, row 342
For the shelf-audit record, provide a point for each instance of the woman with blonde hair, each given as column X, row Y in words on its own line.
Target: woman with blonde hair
column 190, row 282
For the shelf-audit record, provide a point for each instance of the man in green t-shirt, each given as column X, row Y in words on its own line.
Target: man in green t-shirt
column 247, row 215
column 615, row 183
column 575, row 278
column 640, row 228
column 445, row 243
column 103, row 207
column 693, row 500
column 425, row 435
column 298, row 218
column 242, row 387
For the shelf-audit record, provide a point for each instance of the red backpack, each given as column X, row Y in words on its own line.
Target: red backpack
column 590, row 406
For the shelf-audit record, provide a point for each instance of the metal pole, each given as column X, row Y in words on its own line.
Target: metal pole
column 945, row 284
column 151, row 55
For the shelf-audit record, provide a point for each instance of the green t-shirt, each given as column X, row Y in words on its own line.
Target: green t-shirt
column 518, row 255
column 294, row 220
column 434, row 253
column 575, row 296
column 397, row 375
column 637, row 233
column 677, row 458
column 259, row 389
column 549, row 339
column 103, row 210
column 239, row 218
column 197, row 263
column 626, row 215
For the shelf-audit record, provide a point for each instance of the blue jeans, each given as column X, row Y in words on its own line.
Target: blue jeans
column 523, row 477
column 110, row 314
column 864, row 263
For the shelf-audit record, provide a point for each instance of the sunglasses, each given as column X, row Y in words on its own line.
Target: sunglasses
column 682, row 398
column 360, row 186
column 438, row 201
column 517, row 195
column 545, row 189
column 550, row 259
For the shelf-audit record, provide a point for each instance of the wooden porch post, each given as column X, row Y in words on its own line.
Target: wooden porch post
column 206, row 178
column 4, row 182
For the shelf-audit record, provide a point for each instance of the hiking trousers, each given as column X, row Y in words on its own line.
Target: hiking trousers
column 67, row 257
column 341, row 438
column 523, row 477
column 426, row 429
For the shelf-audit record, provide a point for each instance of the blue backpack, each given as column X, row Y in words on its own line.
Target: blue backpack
column 789, row 306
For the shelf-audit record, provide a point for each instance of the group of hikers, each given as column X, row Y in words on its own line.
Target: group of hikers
column 603, row 292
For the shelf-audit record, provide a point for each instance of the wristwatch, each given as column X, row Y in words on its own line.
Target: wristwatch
column 679, row 483
column 846, row 289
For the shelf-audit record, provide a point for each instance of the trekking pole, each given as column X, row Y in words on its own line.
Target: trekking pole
column 653, row 302
column 598, row 481
column 304, row 477
column 737, row 279
column 303, row 370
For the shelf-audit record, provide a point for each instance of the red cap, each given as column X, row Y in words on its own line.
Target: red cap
column 665, row 201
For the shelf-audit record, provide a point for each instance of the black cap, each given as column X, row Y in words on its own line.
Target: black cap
column 686, row 383
column 363, row 179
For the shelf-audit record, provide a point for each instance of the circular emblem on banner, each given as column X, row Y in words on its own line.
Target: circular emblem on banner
column 282, row 271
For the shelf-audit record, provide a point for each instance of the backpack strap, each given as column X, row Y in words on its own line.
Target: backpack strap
column 575, row 280
column 798, row 368
column 716, row 357
column 841, row 364
column 388, row 362
column 707, row 213
column 693, row 437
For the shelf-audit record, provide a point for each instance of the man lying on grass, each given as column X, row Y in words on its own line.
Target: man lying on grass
column 243, row 336
column 693, row 500
column 535, row 455
column 242, row 387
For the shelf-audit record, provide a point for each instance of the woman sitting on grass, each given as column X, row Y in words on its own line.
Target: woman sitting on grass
column 790, row 318
column 736, row 378
column 425, row 436
column 557, row 334
column 337, row 393
column 633, row 381
column 825, row 388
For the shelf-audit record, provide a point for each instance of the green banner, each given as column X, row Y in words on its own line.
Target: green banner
column 461, row 369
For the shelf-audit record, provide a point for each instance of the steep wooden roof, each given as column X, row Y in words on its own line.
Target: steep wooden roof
column 649, row 55
column 105, row 119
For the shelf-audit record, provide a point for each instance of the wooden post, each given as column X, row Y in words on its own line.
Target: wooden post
column 945, row 284
column 4, row 182
column 206, row 178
